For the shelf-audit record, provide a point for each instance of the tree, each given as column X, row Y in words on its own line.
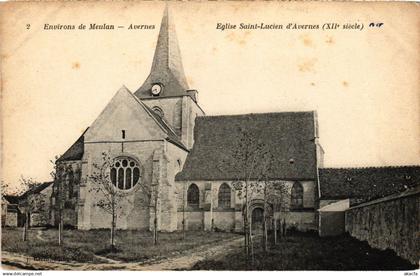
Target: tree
column 249, row 159
column 9, row 189
column 110, row 198
column 153, row 195
column 59, row 175
column 65, row 176
column 31, row 202
column 181, row 196
column 276, row 200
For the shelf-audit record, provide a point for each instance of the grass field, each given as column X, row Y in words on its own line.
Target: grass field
column 86, row 246
column 307, row 251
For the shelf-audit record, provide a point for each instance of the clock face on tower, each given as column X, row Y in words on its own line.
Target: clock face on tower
column 156, row 89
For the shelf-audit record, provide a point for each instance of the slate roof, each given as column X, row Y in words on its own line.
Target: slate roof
column 289, row 135
column 12, row 203
column 37, row 189
column 75, row 152
column 12, row 199
column 367, row 183
column 15, row 199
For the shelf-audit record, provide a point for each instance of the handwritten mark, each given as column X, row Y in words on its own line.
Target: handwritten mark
column 375, row 25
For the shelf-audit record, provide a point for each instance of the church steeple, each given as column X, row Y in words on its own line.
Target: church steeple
column 167, row 75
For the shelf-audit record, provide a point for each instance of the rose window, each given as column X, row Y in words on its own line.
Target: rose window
column 125, row 173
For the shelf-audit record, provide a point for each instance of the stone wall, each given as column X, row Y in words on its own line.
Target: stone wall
column 302, row 221
column 65, row 192
column 224, row 220
column 133, row 211
column 194, row 220
column 391, row 222
column 11, row 219
column 210, row 215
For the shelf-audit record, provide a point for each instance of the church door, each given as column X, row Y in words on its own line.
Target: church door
column 257, row 219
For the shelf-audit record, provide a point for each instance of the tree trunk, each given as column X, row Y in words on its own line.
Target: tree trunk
column 246, row 230
column 113, row 232
column 183, row 228
column 60, row 227
column 284, row 228
column 60, row 231
column 251, row 243
column 246, row 237
column 155, row 232
column 246, row 225
column 265, row 236
column 183, row 214
column 275, row 232
column 25, row 227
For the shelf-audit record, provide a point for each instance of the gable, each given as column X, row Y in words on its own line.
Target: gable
column 124, row 112
column 288, row 135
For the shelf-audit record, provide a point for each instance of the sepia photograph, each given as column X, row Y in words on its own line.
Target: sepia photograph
column 210, row 136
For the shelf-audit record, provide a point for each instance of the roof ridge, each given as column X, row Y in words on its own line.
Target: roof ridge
column 167, row 129
column 262, row 113
column 162, row 119
column 371, row 167
column 140, row 102
column 63, row 157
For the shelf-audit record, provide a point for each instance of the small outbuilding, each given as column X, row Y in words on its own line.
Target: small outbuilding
column 10, row 212
column 332, row 218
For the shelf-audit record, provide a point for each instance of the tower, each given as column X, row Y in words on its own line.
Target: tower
column 166, row 90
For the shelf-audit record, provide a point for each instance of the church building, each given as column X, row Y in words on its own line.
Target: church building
column 159, row 137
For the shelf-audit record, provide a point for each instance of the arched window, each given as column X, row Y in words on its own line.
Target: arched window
column 224, row 196
column 193, row 196
column 297, row 196
column 125, row 173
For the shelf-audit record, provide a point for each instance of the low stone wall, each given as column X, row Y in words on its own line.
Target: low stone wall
column 391, row 222
column 302, row 221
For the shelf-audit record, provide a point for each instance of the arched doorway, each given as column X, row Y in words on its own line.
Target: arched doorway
column 257, row 219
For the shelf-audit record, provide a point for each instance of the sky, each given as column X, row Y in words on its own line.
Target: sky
column 364, row 84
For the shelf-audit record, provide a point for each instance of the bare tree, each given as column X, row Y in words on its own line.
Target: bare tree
column 59, row 174
column 110, row 198
column 9, row 189
column 249, row 158
column 31, row 202
column 183, row 211
column 153, row 195
column 276, row 196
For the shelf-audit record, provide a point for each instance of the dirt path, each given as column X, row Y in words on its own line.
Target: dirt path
column 185, row 261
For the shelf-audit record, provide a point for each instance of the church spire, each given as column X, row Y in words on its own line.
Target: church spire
column 167, row 69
